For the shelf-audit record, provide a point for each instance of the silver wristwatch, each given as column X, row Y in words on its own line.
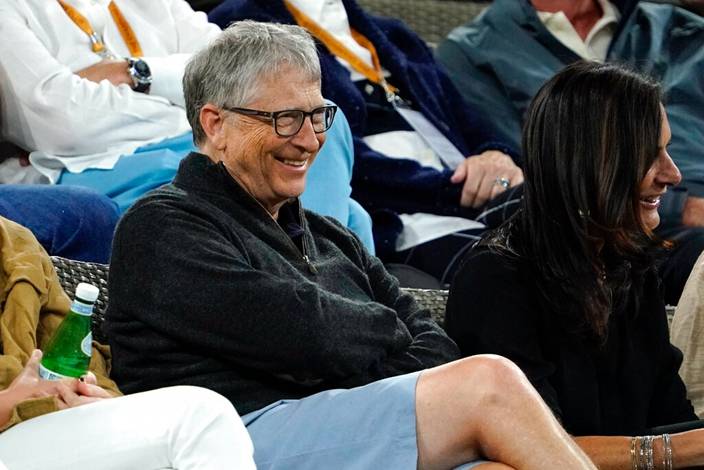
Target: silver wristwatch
column 140, row 73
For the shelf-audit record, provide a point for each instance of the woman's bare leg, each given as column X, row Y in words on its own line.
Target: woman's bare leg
column 485, row 406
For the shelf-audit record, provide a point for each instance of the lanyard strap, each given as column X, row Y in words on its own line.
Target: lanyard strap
column 373, row 74
column 96, row 41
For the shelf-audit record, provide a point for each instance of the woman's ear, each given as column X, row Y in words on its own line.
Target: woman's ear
column 213, row 124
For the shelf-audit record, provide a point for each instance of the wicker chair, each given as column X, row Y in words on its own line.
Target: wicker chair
column 72, row 272
column 431, row 19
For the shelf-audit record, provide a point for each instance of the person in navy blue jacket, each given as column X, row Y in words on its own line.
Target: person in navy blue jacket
column 388, row 179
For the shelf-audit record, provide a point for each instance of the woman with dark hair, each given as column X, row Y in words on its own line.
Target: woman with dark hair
column 568, row 287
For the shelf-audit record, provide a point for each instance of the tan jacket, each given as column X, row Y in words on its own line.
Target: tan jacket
column 33, row 305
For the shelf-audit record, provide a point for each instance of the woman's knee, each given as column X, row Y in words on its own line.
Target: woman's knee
column 486, row 379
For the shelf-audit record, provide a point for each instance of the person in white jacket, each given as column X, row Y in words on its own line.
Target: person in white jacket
column 76, row 108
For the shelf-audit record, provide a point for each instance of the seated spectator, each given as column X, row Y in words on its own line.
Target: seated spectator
column 687, row 332
column 90, row 87
column 72, row 222
column 183, row 427
column 568, row 287
column 500, row 60
column 411, row 129
column 105, row 111
column 221, row 279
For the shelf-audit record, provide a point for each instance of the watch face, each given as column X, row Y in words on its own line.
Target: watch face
column 141, row 68
column 141, row 75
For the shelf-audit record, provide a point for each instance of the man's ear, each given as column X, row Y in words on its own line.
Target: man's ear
column 213, row 124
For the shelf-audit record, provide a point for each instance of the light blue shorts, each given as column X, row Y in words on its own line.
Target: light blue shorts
column 368, row 427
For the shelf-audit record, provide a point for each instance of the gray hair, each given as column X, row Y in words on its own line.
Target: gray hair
column 228, row 72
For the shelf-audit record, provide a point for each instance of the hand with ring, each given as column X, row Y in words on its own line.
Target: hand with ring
column 503, row 182
column 485, row 176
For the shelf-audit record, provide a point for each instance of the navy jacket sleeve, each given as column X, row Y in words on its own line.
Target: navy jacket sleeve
column 430, row 346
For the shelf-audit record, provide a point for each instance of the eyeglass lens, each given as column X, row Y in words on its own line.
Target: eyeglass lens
column 289, row 123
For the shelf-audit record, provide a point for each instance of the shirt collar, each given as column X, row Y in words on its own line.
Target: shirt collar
column 610, row 15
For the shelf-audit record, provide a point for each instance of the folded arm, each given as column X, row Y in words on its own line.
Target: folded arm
column 283, row 324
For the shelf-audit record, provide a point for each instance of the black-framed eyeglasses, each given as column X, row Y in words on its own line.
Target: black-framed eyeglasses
column 288, row 122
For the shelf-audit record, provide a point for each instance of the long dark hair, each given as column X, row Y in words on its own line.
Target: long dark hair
column 591, row 134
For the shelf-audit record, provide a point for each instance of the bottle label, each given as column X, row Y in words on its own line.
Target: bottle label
column 82, row 308
column 47, row 374
column 86, row 344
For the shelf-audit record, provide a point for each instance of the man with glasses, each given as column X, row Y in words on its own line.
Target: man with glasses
column 427, row 167
column 221, row 279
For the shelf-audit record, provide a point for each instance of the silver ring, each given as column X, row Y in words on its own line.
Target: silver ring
column 502, row 181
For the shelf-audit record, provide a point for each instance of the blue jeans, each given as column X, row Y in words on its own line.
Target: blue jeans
column 327, row 190
column 75, row 223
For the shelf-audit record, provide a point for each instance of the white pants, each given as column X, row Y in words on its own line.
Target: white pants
column 179, row 428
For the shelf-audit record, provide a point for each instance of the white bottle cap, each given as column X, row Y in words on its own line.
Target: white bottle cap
column 87, row 292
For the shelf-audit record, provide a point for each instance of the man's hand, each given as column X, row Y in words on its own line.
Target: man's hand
column 693, row 212
column 114, row 71
column 481, row 175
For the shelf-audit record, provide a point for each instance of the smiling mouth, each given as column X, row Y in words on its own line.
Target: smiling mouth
column 651, row 200
column 293, row 163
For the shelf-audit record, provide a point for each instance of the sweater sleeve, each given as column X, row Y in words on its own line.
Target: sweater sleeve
column 491, row 310
column 430, row 346
column 210, row 297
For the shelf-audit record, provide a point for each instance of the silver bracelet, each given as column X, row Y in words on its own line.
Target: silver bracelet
column 650, row 460
column 645, row 453
column 641, row 453
column 666, row 452
column 635, row 446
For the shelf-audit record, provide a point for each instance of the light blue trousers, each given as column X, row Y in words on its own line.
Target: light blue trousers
column 327, row 189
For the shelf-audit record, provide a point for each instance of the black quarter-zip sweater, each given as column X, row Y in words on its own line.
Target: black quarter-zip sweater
column 207, row 289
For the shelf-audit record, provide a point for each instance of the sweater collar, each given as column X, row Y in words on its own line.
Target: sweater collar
column 200, row 174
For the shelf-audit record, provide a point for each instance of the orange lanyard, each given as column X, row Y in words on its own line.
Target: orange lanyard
column 373, row 74
column 96, row 41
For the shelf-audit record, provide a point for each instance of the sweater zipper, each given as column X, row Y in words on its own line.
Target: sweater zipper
column 304, row 243
column 304, row 255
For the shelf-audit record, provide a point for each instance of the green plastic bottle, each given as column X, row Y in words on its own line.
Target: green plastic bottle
column 68, row 352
